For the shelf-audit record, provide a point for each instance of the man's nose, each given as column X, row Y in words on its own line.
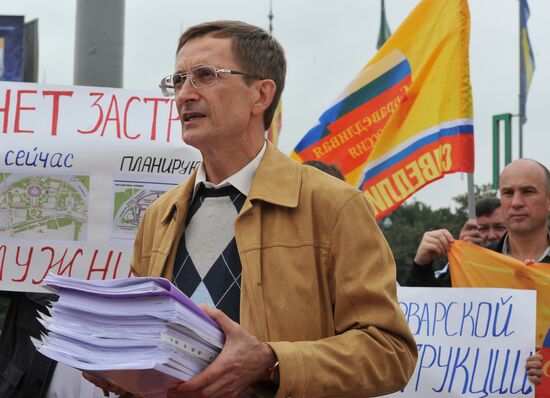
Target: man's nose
column 517, row 199
column 492, row 234
column 186, row 93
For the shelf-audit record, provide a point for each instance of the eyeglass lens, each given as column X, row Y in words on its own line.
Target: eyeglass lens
column 200, row 77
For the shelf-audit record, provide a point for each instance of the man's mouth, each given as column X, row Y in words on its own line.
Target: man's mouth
column 192, row 116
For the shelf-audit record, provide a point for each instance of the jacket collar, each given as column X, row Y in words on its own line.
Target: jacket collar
column 181, row 199
column 277, row 180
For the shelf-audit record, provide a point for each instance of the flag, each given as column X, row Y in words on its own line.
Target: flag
column 542, row 390
column 11, row 48
column 406, row 119
column 527, row 59
column 474, row 266
column 1, row 57
column 276, row 125
column 385, row 31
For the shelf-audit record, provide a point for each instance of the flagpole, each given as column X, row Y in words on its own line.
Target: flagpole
column 270, row 16
column 471, row 197
column 384, row 33
column 274, row 130
column 521, row 81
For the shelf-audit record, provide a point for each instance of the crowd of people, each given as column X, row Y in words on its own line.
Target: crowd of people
column 304, row 292
column 516, row 226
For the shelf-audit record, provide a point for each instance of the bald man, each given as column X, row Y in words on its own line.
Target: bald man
column 525, row 201
column 525, row 197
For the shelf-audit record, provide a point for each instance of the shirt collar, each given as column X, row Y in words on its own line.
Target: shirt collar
column 505, row 249
column 242, row 179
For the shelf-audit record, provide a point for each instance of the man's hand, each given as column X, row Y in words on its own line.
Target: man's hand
column 243, row 361
column 533, row 368
column 106, row 386
column 470, row 233
column 434, row 244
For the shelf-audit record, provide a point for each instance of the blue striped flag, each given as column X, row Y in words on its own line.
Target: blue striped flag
column 527, row 59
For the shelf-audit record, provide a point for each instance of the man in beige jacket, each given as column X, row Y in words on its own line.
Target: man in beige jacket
column 302, row 279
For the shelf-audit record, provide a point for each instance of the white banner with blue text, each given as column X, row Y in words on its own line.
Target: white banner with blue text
column 471, row 342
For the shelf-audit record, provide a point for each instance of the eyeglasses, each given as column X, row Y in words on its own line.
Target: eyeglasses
column 200, row 77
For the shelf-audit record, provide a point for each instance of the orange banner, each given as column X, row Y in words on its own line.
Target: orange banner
column 474, row 266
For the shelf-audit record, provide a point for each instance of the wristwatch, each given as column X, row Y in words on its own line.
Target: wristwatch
column 274, row 374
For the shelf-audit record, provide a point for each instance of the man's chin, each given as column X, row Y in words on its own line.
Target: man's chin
column 523, row 228
column 193, row 138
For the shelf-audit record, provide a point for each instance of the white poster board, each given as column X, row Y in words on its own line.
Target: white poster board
column 78, row 166
column 471, row 342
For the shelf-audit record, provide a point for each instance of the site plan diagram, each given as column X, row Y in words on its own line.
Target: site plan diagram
column 44, row 207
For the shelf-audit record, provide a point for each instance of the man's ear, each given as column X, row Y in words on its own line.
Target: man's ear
column 265, row 91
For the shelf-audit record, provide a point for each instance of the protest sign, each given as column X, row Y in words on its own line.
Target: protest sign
column 78, row 167
column 471, row 342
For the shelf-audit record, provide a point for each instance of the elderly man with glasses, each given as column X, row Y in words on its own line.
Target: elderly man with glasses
column 289, row 260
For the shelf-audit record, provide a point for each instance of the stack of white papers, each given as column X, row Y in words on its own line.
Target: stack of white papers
column 142, row 334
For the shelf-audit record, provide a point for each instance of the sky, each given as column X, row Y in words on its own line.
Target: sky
column 326, row 45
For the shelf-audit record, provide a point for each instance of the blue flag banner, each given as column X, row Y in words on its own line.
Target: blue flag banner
column 527, row 59
column 11, row 48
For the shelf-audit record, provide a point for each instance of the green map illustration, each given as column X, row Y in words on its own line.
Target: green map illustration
column 131, row 199
column 44, row 207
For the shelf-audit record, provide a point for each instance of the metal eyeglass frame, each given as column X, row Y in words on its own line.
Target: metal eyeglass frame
column 168, row 89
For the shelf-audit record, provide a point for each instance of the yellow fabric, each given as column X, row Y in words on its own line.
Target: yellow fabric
column 473, row 266
column 435, row 39
column 528, row 59
column 406, row 119
column 276, row 125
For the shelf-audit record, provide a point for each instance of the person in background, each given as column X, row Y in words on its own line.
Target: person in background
column 525, row 204
column 487, row 229
column 525, row 196
column 330, row 169
column 24, row 372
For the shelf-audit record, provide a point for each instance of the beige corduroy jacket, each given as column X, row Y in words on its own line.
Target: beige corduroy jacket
column 318, row 279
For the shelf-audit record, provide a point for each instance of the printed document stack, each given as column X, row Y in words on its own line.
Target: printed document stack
column 142, row 334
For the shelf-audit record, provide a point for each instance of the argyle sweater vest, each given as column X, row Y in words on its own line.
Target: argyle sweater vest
column 208, row 267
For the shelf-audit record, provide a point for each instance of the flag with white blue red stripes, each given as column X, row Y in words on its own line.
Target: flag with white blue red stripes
column 406, row 119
